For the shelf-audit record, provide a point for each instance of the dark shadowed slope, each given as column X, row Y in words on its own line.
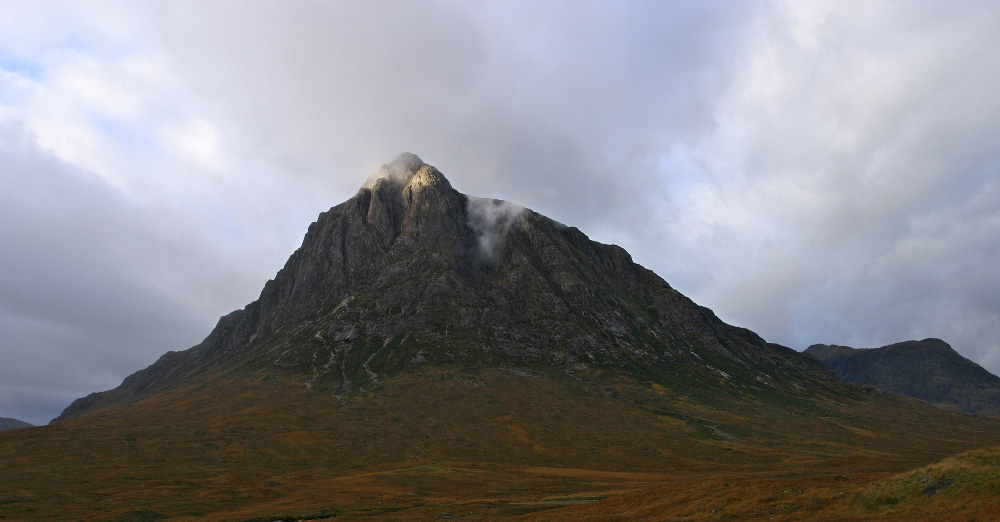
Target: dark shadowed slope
column 929, row 370
column 10, row 424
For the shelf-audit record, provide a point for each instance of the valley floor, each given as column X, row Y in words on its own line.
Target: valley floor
column 434, row 492
column 517, row 445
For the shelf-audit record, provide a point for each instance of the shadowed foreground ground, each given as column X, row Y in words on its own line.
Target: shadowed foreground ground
column 445, row 444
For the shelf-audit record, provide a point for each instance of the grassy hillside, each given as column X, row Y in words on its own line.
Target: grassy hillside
column 480, row 444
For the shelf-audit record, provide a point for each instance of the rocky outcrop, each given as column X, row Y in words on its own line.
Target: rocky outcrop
column 929, row 370
column 410, row 271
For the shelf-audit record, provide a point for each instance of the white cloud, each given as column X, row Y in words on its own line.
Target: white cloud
column 197, row 141
column 491, row 219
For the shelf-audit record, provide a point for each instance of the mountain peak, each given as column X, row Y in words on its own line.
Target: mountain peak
column 407, row 170
column 411, row 270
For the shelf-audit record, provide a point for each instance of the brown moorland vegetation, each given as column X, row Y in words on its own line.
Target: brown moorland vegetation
column 449, row 443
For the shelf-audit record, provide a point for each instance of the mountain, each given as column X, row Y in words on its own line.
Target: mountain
column 10, row 424
column 929, row 370
column 410, row 271
column 426, row 355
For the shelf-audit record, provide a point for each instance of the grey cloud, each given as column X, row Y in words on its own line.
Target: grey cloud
column 560, row 106
column 817, row 172
column 91, row 287
column 842, row 179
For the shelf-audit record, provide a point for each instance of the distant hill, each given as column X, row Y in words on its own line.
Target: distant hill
column 929, row 370
column 10, row 424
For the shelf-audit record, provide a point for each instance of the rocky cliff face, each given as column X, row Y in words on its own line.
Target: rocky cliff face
column 409, row 271
column 929, row 370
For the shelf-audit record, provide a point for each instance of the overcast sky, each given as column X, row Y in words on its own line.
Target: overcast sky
column 817, row 172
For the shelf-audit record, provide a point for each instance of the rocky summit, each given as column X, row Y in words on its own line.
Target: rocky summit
column 410, row 271
column 929, row 370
